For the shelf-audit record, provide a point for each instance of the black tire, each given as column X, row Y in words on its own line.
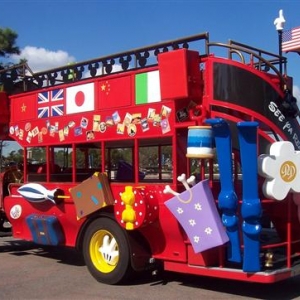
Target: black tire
column 106, row 251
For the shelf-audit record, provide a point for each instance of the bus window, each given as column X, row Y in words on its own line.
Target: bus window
column 61, row 158
column 155, row 160
column 94, row 158
column 120, row 161
column 88, row 160
column 88, row 156
column 35, row 157
column 59, row 162
column 36, row 164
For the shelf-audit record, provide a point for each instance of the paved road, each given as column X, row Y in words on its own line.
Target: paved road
column 30, row 272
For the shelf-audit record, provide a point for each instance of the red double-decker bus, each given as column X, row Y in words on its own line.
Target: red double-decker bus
column 159, row 157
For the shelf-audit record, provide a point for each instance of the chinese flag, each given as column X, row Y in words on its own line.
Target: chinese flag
column 23, row 108
column 116, row 92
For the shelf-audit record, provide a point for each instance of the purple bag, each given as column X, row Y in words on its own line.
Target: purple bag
column 196, row 211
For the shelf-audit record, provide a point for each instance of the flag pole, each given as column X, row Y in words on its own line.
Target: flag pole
column 280, row 50
column 279, row 24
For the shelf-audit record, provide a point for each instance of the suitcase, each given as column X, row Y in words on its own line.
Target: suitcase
column 45, row 230
column 92, row 194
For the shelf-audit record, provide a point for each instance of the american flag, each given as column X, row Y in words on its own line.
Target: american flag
column 196, row 211
column 291, row 40
column 51, row 103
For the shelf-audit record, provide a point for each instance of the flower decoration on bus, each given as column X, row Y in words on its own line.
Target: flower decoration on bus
column 280, row 168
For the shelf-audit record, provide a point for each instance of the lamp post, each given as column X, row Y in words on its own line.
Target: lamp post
column 279, row 24
column 280, row 50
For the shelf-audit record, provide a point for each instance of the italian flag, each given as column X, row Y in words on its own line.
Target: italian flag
column 147, row 88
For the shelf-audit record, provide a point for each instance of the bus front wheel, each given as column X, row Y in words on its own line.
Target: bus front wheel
column 106, row 251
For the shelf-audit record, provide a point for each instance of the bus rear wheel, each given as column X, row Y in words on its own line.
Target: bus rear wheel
column 106, row 251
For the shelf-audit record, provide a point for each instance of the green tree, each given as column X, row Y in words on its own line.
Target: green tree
column 8, row 39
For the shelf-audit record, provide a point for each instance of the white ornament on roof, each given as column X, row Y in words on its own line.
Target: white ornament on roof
column 279, row 22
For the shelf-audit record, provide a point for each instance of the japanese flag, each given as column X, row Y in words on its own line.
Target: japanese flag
column 80, row 98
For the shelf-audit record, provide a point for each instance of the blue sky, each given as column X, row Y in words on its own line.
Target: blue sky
column 59, row 31
column 53, row 33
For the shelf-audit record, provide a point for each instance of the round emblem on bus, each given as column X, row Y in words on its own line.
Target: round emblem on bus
column 27, row 126
column 288, row 171
column 16, row 211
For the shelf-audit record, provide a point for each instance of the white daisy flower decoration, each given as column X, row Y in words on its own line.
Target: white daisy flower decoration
column 280, row 169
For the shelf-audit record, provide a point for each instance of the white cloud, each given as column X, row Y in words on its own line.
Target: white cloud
column 39, row 59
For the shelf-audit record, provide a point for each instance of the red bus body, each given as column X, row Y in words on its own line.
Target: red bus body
column 97, row 106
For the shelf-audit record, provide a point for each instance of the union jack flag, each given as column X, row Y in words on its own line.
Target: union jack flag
column 51, row 103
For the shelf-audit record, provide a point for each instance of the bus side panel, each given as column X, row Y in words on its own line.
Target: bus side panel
column 18, row 209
